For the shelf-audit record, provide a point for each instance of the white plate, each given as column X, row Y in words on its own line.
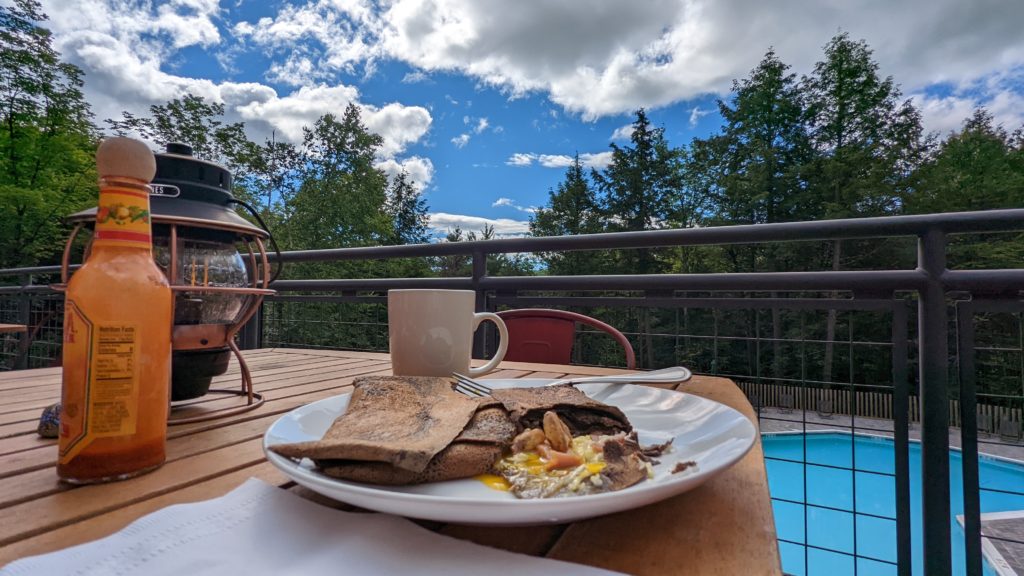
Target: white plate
column 711, row 434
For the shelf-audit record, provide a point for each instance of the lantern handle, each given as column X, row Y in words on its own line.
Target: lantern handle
column 273, row 242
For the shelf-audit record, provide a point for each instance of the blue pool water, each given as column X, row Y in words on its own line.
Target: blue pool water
column 875, row 494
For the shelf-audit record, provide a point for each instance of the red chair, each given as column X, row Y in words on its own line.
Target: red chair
column 547, row 336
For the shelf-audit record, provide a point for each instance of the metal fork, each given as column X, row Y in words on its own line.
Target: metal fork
column 471, row 387
column 466, row 385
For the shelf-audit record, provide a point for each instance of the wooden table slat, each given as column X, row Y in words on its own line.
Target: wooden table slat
column 723, row 527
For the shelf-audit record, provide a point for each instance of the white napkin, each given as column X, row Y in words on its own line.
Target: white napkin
column 259, row 529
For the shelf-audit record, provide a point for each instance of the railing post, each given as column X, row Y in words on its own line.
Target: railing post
column 901, row 434
column 969, row 436
column 24, row 318
column 250, row 337
column 933, row 353
column 480, row 338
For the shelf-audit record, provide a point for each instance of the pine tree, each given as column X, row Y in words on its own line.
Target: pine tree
column 572, row 210
column 867, row 145
column 981, row 167
column 751, row 170
column 642, row 190
column 408, row 211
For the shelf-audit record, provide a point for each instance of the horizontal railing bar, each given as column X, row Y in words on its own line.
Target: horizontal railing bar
column 29, row 289
column 878, row 227
column 834, row 508
column 32, row 270
column 755, row 281
column 369, row 284
column 845, row 280
column 986, row 281
column 719, row 303
column 831, row 466
column 842, row 552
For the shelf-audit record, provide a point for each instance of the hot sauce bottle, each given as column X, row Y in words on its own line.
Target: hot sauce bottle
column 117, row 333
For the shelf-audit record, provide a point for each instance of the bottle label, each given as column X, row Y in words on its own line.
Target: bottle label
column 122, row 218
column 106, row 357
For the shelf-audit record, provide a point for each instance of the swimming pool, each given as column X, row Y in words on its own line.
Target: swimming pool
column 875, row 494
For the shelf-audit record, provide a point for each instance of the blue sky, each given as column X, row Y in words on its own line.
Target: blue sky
column 484, row 101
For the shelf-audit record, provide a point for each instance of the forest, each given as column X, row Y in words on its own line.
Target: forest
column 839, row 141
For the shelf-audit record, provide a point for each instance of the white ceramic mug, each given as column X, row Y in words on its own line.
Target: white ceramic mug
column 431, row 332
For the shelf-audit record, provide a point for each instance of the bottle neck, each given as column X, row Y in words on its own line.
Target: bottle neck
column 122, row 215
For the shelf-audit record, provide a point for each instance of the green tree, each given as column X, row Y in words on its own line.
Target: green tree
column 341, row 198
column 408, row 211
column 751, row 170
column 47, row 140
column 981, row 167
column 572, row 210
column 867, row 145
column 200, row 124
column 642, row 190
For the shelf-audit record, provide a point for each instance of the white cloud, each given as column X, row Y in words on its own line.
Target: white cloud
column 481, row 125
column 124, row 55
column 442, row 222
column 610, row 59
column 623, row 132
column 461, row 140
column 415, row 78
column 521, row 159
column 419, row 170
column 342, row 35
column 999, row 93
column 510, row 203
column 696, row 113
column 588, row 160
column 617, row 56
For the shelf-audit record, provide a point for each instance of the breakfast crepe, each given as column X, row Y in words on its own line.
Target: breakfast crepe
column 582, row 414
column 401, row 422
column 473, row 452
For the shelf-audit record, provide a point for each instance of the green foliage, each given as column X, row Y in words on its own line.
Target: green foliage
column 200, row 124
column 46, row 140
column 980, row 167
column 408, row 211
column 642, row 190
column 461, row 265
column 572, row 209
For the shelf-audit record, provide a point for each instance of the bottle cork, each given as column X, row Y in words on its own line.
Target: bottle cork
column 125, row 157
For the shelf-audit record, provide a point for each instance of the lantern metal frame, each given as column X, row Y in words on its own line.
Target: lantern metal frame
column 202, row 336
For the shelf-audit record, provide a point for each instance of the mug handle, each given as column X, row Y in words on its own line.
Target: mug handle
column 502, row 344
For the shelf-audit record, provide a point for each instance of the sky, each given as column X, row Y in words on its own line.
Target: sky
column 484, row 102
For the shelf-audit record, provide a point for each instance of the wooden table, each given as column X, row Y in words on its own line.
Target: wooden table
column 723, row 527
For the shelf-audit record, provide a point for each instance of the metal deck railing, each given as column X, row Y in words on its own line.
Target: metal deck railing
column 923, row 357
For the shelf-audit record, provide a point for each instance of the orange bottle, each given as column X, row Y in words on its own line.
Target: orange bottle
column 117, row 333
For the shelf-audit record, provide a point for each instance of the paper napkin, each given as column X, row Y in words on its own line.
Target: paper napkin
column 258, row 529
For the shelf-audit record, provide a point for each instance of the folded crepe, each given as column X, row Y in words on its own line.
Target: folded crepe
column 408, row 430
column 401, row 421
column 582, row 414
column 472, row 452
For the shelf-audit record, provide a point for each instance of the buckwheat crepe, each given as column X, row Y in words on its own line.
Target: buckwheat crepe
column 582, row 414
column 400, row 421
column 408, row 430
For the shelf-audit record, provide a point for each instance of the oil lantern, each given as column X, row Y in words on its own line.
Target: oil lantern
column 217, row 265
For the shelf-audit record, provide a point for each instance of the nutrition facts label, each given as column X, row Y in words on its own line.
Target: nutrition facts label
column 114, row 395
